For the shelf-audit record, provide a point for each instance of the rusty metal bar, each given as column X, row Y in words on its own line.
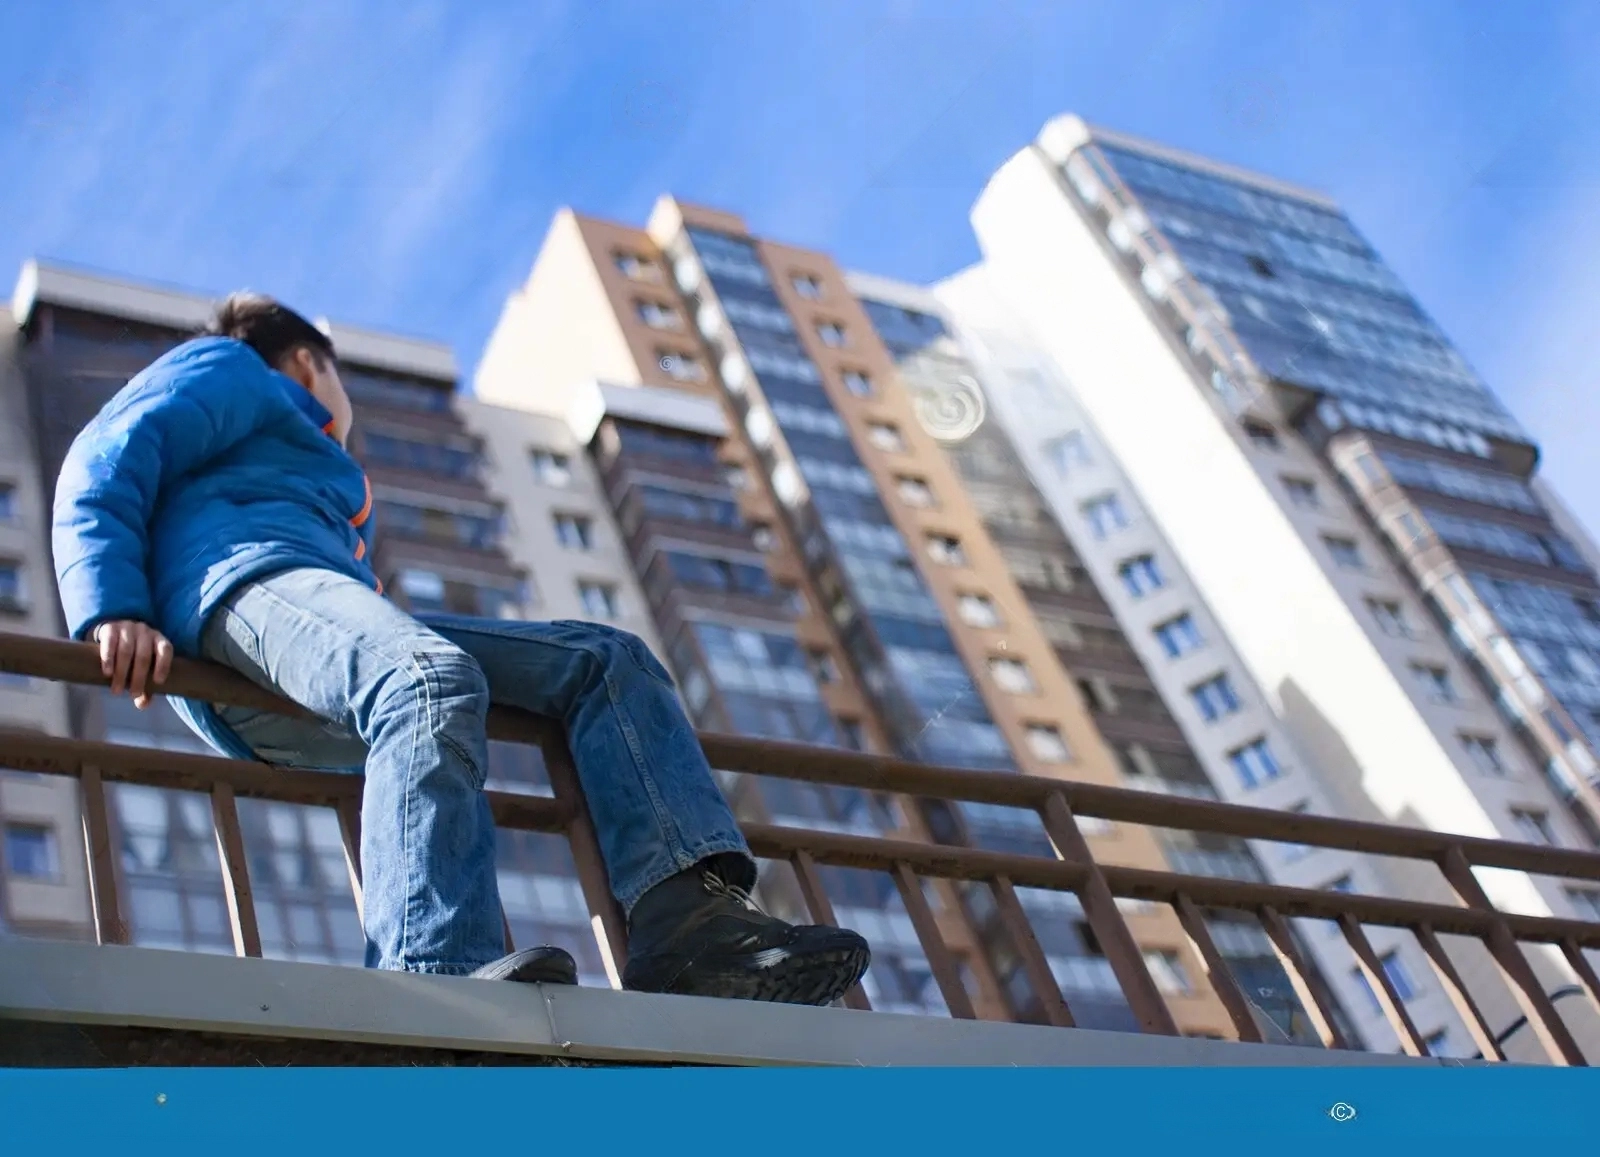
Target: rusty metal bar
column 349, row 813
column 940, row 959
column 104, row 894
column 1542, row 1016
column 1466, row 1007
column 821, row 909
column 1388, row 997
column 1105, row 920
column 1314, row 997
column 1583, row 969
column 79, row 663
column 235, row 872
column 1217, row 970
column 610, row 925
column 1014, row 919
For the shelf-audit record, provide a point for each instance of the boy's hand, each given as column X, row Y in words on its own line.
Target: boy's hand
column 133, row 655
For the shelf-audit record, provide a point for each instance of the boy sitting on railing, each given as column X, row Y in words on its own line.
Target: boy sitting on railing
column 212, row 510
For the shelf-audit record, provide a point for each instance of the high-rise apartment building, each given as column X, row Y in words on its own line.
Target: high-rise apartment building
column 1207, row 704
column 43, row 881
column 690, row 356
column 1348, row 499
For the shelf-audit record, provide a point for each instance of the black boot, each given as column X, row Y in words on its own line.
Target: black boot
column 544, row 965
column 699, row 934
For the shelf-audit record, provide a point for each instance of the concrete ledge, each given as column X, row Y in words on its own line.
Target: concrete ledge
column 46, row 982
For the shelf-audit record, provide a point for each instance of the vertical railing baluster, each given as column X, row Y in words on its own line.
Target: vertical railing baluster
column 940, row 959
column 1543, row 1018
column 1456, row 989
column 1314, row 997
column 235, row 872
column 1217, row 971
column 1014, row 919
column 348, row 812
column 1383, row 989
column 821, row 909
column 1571, row 949
column 1105, row 919
column 101, row 856
column 605, row 914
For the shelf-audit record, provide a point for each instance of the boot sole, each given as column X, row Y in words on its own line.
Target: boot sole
column 777, row 976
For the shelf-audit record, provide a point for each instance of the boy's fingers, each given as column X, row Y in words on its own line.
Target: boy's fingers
column 163, row 660
column 122, row 656
column 144, row 653
column 106, row 636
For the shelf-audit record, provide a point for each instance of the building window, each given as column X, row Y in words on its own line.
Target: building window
column 1012, row 675
column 1437, row 1043
column 1484, row 753
column 1046, row 743
column 1260, row 266
column 1586, row 902
column 1344, row 552
column 1097, row 693
column 854, row 737
column 8, row 502
column 13, row 587
column 1067, row 451
column 658, row 316
column 978, row 610
column 914, row 491
column 1391, row 618
column 946, row 549
column 681, row 367
column 1140, row 575
column 858, row 384
column 823, row 666
column 831, row 333
column 762, row 537
column 1166, row 969
column 1179, row 636
column 1397, row 975
column 1533, row 826
column 636, row 268
column 737, row 477
column 598, row 599
column 551, row 469
column 1215, row 698
column 1255, row 764
column 886, row 437
column 1435, row 682
column 1105, row 515
column 807, row 286
column 1261, row 435
column 1302, row 493
column 31, row 852
column 574, row 531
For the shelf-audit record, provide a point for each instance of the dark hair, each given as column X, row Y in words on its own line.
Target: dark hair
column 271, row 329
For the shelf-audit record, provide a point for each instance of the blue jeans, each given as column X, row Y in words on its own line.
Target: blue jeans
column 407, row 698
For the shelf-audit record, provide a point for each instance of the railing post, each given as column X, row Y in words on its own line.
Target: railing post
column 1014, row 918
column 1314, row 998
column 940, row 960
column 100, row 852
column 1394, row 1009
column 1541, row 1012
column 1456, row 988
column 1105, row 919
column 235, row 872
column 821, row 909
column 348, row 811
column 605, row 914
column 1217, row 971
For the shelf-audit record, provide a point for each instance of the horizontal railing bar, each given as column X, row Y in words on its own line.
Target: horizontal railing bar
column 156, row 767
column 79, row 663
column 184, row 771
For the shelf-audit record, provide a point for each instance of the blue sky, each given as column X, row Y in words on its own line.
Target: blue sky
column 396, row 164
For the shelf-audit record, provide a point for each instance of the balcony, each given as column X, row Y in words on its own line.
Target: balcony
column 111, row 1004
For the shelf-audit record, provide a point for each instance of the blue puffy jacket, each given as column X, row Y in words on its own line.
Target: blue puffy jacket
column 207, row 470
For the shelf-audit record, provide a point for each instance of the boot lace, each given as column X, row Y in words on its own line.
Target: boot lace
column 717, row 886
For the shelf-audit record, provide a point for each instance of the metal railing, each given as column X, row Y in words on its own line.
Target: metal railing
column 1058, row 803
